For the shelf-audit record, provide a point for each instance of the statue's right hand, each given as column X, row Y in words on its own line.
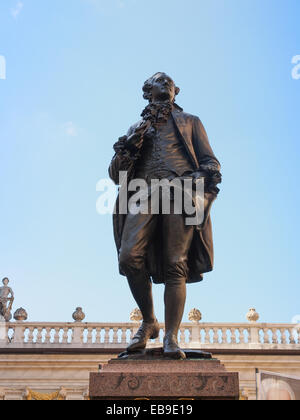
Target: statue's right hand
column 136, row 139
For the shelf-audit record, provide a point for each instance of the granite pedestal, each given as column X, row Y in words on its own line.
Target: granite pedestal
column 159, row 378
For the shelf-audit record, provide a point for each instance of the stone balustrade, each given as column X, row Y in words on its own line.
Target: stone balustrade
column 116, row 335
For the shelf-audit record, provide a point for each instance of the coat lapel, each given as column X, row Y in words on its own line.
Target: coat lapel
column 185, row 128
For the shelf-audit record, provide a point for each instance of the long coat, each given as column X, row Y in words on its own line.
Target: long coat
column 201, row 254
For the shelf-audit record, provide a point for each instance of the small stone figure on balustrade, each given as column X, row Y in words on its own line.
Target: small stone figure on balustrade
column 6, row 300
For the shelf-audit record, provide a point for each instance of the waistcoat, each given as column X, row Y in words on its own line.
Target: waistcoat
column 163, row 155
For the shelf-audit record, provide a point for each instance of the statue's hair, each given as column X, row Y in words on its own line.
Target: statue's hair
column 149, row 83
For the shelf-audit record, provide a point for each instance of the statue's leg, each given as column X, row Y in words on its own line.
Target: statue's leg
column 138, row 232
column 177, row 239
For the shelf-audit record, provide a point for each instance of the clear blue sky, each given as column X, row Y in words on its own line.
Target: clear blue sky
column 74, row 74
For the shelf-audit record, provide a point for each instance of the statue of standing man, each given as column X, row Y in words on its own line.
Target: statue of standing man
column 6, row 300
column 166, row 145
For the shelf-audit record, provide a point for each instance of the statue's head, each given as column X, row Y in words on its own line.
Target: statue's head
column 5, row 281
column 160, row 87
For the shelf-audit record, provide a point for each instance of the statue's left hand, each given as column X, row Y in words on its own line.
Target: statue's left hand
column 211, row 179
column 198, row 175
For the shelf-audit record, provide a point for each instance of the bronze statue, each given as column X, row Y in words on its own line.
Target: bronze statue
column 166, row 144
column 6, row 300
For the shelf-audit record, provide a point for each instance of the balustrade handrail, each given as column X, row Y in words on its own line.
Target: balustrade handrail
column 132, row 324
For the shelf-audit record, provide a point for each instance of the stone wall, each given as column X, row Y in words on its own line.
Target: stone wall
column 69, row 373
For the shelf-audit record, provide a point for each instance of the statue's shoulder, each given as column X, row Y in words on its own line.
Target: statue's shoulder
column 185, row 115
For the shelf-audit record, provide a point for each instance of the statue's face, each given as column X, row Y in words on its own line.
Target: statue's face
column 5, row 282
column 163, row 88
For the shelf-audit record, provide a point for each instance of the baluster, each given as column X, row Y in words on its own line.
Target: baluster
column 26, row 335
column 132, row 332
column 297, row 330
column 56, row 335
column 233, row 336
column 98, row 335
column 65, row 337
column 224, row 335
column 207, row 336
column 274, row 336
column 283, row 336
column 47, row 335
column 89, row 336
column 124, row 336
column 39, row 335
column 115, row 335
column 106, row 336
column 266, row 336
column 247, row 335
column 30, row 335
column 201, row 335
column 182, row 336
column 215, row 336
column 60, row 335
column 53, row 335
column 291, row 332
column 260, row 336
column 190, row 335
column 242, row 336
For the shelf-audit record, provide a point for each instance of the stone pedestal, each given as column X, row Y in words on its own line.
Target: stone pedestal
column 3, row 331
column 163, row 379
